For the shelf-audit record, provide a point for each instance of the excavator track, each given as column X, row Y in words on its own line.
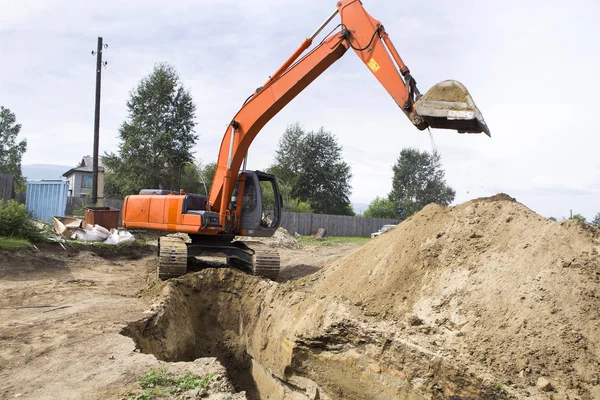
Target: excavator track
column 172, row 257
column 266, row 263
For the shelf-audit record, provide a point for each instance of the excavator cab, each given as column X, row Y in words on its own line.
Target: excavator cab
column 448, row 105
column 261, row 204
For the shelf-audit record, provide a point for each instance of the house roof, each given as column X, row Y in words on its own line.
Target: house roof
column 86, row 165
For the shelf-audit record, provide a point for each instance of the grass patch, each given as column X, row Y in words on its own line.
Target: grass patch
column 332, row 240
column 499, row 387
column 157, row 383
column 154, row 378
column 14, row 244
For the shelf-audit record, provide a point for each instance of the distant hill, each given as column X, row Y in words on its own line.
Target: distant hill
column 44, row 171
column 360, row 208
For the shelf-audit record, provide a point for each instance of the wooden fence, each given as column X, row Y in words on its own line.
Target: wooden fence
column 304, row 224
column 7, row 187
column 336, row 225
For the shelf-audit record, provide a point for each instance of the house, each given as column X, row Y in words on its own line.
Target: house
column 80, row 179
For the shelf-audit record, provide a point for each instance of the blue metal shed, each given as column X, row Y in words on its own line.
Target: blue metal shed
column 46, row 199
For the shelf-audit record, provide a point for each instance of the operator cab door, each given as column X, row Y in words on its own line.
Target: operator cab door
column 261, row 205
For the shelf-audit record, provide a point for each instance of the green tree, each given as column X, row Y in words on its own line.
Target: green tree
column 208, row 173
column 194, row 176
column 578, row 217
column 418, row 180
column 311, row 164
column 157, row 136
column 289, row 204
column 299, row 206
column 11, row 149
column 381, row 208
column 190, row 179
column 288, row 160
column 596, row 220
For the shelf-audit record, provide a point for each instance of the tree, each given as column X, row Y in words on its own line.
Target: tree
column 312, row 165
column 578, row 217
column 289, row 204
column 381, row 208
column 299, row 206
column 157, row 136
column 11, row 149
column 194, row 177
column 596, row 220
column 288, row 156
column 208, row 173
column 418, row 180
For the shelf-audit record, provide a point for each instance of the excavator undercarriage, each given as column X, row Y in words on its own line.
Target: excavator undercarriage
column 250, row 256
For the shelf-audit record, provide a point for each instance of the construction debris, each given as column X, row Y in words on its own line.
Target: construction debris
column 78, row 229
column 91, row 233
column 320, row 234
column 66, row 226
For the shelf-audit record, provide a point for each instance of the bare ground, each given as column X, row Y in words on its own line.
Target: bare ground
column 77, row 351
column 485, row 300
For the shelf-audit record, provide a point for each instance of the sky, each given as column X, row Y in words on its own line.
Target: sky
column 531, row 67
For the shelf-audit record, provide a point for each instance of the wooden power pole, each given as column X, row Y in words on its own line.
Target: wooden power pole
column 99, row 65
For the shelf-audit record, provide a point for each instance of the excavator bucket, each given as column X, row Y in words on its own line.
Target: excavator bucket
column 448, row 105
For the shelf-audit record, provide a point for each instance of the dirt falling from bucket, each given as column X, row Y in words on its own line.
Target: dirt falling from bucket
column 433, row 147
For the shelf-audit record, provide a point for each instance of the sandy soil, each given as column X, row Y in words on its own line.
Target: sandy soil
column 77, row 351
column 484, row 300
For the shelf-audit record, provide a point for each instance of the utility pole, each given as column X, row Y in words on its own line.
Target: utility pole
column 99, row 65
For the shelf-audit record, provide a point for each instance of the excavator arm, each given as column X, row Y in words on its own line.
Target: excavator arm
column 447, row 105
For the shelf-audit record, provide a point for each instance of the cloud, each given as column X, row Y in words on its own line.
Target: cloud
column 529, row 66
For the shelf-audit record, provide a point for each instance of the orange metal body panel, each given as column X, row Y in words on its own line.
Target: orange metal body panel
column 163, row 213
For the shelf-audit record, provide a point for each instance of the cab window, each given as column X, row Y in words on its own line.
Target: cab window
column 249, row 200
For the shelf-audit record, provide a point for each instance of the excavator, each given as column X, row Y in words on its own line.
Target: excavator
column 236, row 205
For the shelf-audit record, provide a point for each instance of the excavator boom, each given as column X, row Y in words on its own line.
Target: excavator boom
column 448, row 105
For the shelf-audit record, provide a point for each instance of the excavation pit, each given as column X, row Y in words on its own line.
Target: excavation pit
column 194, row 323
column 273, row 350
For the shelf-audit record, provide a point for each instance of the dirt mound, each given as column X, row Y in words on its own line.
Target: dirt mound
column 490, row 284
column 485, row 300
column 281, row 239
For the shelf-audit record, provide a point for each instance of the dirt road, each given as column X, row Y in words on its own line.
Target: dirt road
column 73, row 349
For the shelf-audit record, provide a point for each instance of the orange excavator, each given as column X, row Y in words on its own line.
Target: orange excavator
column 236, row 203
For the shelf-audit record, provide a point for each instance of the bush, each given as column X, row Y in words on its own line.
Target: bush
column 15, row 221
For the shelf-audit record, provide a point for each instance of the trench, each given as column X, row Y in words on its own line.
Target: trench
column 278, row 343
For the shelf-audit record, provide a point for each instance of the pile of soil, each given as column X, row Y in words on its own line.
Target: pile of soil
column 449, row 93
column 281, row 239
column 490, row 284
column 485, row 300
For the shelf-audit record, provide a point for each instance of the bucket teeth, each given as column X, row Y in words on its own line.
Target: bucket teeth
column 448, row 105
